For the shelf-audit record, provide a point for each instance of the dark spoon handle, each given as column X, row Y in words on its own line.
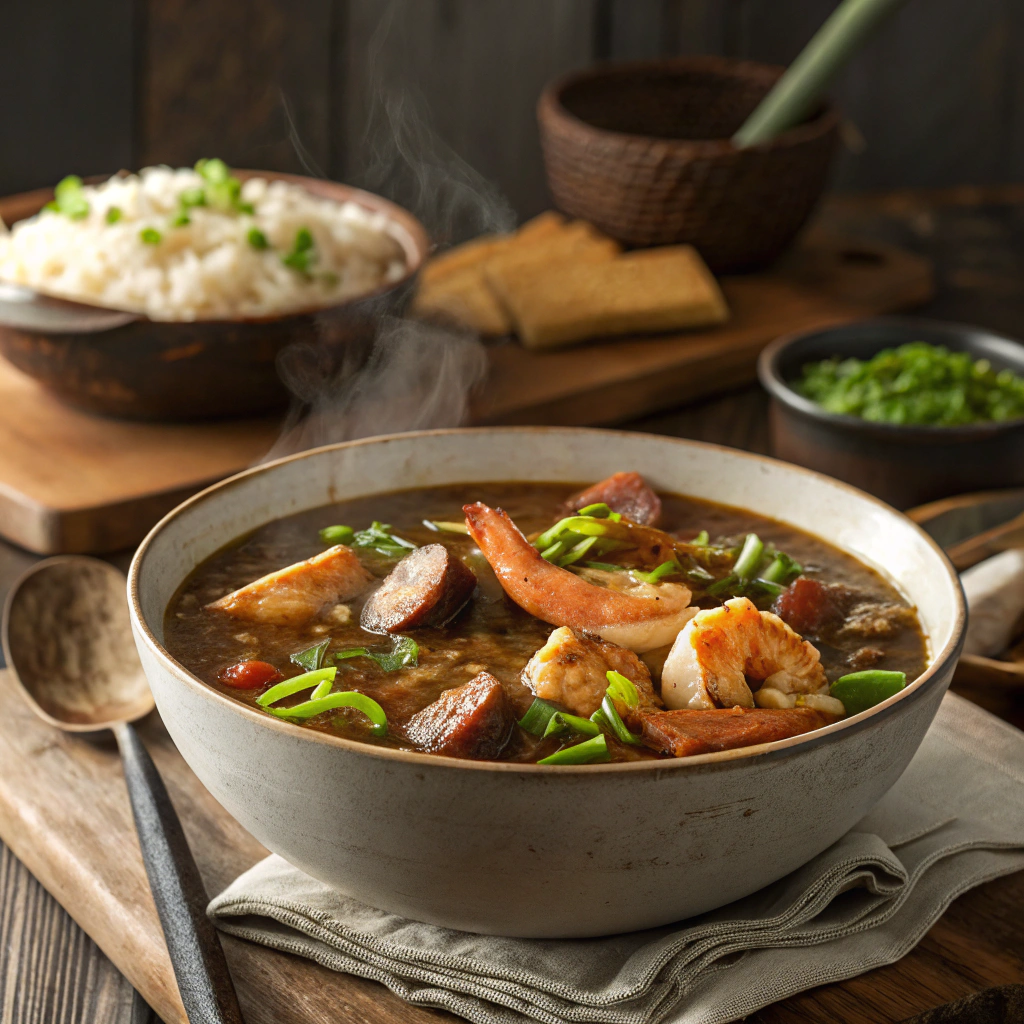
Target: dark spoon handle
column 196, row 955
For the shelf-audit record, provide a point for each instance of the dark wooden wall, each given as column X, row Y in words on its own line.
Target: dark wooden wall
column 345, row 87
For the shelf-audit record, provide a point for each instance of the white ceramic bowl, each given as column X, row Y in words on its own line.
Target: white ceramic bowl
column 529, row 850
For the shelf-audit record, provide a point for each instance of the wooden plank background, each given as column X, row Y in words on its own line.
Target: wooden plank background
column 936, row 99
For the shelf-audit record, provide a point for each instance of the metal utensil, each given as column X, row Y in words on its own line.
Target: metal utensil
column 29, row 310
column 68, row 643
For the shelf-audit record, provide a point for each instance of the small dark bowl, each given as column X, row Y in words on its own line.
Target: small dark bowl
column 903, row 465
column 642, row 150
column 204, row 369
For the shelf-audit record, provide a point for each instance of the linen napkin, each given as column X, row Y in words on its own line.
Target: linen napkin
column 954, row 820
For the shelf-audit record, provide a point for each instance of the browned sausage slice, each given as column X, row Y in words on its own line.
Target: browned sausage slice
column 626, row 493
column 426, row 588
column 683, row 733
column 472, row 720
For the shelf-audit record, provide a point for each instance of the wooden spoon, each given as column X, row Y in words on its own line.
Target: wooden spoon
column 68, row 644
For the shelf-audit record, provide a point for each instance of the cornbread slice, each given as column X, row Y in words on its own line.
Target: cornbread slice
column 463, row 297
column 577, row 241
column 653, row 290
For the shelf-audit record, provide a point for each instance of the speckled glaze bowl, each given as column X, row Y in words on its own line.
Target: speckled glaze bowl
column 205, row 369
column 532, row 850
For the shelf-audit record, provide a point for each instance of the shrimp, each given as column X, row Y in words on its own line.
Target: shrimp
column 640, row 616
column 572, row 670
column 721, row 648
column 300, row 592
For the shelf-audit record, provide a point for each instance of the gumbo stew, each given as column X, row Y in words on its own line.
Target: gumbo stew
column 544, row 623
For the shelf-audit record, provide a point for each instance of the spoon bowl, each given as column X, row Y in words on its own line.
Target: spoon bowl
column 67, row 640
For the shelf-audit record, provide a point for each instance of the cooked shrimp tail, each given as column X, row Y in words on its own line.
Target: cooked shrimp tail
column 640, row 616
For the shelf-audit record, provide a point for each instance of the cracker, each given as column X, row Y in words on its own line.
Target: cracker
column 463, row 297
column 654, row 290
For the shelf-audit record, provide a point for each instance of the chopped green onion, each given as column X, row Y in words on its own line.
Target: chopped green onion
column 768, row 587
column 749, row 558
column 862, row 690
column 599, row 510
column 577, row 551
column 665, row 569
column 378, row 537
column 609, row 716
column 556, row 549
column 622, row 689
column 150, row 236
column 312, row 658
column 345, row 699
column 589, row 751
column 180, row 219
column 561, row 723
column 306, row 681
column 446, row 527
column 724, row 585
column 192, row 197
column 214, row 171
column 605, row 566
column 337, row 534
column 113, row 215
column 404, row 651
column 537, row 716
column 699, row 575
column 69, row 198
column 782, row 570
column 702, row 540
column 257, row 240
column 223, row 190
column 302, row 253
column 587, row 525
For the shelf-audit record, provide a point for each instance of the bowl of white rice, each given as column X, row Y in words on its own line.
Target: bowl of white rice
column 223, row 271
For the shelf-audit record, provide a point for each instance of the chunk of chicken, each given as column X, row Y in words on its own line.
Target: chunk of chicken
column 640, row 616
column 300, row 592
column 572, row 670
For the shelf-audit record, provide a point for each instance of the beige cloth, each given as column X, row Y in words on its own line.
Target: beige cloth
column 954, row 820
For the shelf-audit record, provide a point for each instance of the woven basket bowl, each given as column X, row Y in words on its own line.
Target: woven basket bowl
column 642, row 151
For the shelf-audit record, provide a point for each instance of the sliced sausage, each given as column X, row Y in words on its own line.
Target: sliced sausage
column 811, row 607
column 426, row 588
column 473, row 720
column 683, row 733
column 626, row 493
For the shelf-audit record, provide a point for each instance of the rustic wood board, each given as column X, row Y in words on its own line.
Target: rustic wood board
column 64, row 813
column 71, row 482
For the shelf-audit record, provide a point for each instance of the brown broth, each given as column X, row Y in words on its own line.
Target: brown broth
column 491, row 633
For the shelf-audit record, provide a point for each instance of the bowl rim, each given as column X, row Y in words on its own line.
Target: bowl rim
column 719, row 760
column 412, row 236
column 550, row 105
column 770, row 374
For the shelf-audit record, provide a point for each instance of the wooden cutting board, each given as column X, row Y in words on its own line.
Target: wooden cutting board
column 64, row 812
column 70, row 482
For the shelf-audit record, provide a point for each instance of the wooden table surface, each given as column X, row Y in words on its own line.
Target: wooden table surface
column 52, row 973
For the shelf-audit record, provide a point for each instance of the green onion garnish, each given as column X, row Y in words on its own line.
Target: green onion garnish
column 404, row 651
column 537, row 716
column 192, row 197
column 702, row 540
column 589, row 751
column 378, row 537
column 257, row 240
column 337, row 534
column 862, row 690
column 768, row 587
column 588, row 526
column 69, row 198
column 306, row 681
column 607, row 716
column 724, row 585
column 599, row 510
column 577, row 551
column 605, row 566
column 345, row 699
column 113, row 215
column 749, row 558
column 150, row 236
column 782, row 570
column 561, row 723
column 312, row 658
column 699, row 575
column 222, row 189
column 180, row 219
column 302, row 253
column 622, row 689
column 446, row 527
column 665, row 569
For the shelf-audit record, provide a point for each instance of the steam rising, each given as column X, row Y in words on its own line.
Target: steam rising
column 410, row 376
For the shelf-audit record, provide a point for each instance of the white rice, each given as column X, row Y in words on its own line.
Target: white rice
column 207, row 269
